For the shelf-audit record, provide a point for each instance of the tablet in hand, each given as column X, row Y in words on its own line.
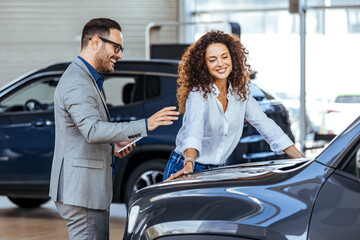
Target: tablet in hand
column 129, row 144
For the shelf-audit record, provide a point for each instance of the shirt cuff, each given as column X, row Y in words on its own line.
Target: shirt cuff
column 281, row 144
column 192, row 142
column 146, row 124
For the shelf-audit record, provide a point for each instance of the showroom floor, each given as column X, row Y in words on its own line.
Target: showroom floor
column 45, row 223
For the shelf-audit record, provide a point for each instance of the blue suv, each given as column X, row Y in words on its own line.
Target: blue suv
column 135, row 90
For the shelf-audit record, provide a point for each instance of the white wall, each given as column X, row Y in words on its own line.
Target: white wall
column 37, row 33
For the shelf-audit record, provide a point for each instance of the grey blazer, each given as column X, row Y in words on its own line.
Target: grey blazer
column 83, row 140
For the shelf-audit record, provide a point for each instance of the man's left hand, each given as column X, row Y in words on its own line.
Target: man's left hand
column 126, row 151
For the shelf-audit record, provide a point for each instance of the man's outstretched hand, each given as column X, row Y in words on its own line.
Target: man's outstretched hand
column 164, row 117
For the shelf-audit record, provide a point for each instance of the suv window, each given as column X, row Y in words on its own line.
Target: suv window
column 123, row 90
column 153, row 88
column 40, row 91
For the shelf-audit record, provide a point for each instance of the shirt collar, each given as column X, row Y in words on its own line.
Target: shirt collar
column 99, row 78
column 217, row 91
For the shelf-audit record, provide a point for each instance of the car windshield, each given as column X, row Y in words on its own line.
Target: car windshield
column 348, row 99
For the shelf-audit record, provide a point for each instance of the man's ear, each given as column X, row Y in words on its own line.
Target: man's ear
column 95, row 43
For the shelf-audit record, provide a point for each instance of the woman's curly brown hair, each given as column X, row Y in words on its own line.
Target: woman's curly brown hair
column 194, row 73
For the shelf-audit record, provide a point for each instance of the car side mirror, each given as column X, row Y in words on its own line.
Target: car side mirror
column 357, row 160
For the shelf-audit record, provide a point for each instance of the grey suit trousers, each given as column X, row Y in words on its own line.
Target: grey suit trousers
column 85, row 223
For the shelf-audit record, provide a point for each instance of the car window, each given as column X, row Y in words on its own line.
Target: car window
column 36, row 96
column 350, row 163
column 153, row 87
column 351, row 167
column 123, row 90
column 348, row 99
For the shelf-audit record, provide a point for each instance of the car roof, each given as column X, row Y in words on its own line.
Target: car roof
column 158, row 65
column 167, row 66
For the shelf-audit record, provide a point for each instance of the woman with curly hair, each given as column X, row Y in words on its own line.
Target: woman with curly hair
column 214, row 96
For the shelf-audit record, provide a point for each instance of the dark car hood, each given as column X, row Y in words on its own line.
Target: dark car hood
column 249, row 173
column 262, row 194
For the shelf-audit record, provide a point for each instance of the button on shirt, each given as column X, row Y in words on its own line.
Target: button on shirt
column 215, row 133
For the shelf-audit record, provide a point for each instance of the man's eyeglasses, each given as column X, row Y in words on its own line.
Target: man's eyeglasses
column 117, row 46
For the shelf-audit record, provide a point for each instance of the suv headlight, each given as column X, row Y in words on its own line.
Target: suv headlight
column 133, row 215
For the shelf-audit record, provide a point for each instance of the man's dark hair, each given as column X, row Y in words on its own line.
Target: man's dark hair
column 98, row 27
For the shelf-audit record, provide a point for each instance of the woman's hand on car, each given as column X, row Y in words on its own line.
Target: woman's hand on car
column 188, row 168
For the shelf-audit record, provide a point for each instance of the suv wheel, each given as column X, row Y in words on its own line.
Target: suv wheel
column 146, row 174
column 28, row 202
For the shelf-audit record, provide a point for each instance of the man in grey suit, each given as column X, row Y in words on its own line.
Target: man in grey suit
column 81, row 175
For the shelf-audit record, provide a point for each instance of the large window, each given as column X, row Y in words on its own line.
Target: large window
column 353, row 20
column 272, row 37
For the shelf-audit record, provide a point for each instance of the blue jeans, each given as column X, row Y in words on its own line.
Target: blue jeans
column 176, row 163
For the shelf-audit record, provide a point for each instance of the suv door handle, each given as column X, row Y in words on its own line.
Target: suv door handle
column 42, row 123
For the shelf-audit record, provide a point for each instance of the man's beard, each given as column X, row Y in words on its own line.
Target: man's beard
column 103, row 62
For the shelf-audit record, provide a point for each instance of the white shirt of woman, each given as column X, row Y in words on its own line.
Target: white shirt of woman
column 215, row 133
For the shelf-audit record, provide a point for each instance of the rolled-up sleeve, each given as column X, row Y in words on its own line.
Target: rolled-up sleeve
column 271, row 132
column 194, row 122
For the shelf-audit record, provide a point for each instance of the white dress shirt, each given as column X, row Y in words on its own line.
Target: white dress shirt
column 215, row 133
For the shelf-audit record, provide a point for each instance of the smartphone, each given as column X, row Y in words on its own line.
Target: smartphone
column 129, row 144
